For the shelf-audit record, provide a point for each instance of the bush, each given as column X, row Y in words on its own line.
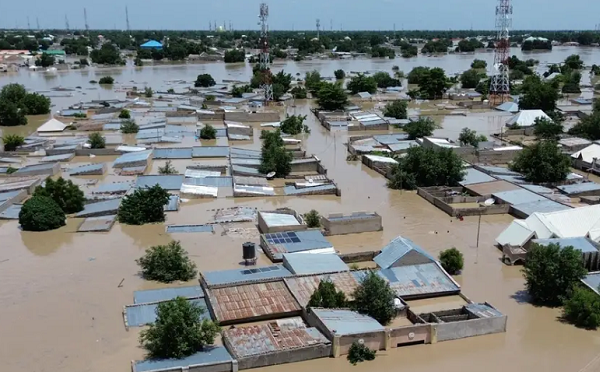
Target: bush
column 36, row 104
column 167, row 169
column 359, row 353
column 469, row 137
column 11, row 170
column 583, row 308
column 167, row 263
column 331, row 97
column 124, row 114
column 178, row 330
column 208, row 132
column 129, row 127
column 234, row 55
column 294, row 124
column 238, row 91
column 396, row 109
column 452, row 260
column 478, row 63
column 551, row 272
column 148, row 92
column 327, row 296
column 66, row 194
column 312, row 219
column 40, row 213
column 96, row 141
column 362, row 83
column 375, row 298
column 205, row 81
column 547, row 129
column 108, row 80
column 299, row 93
column 144, row 206
column 423, row 127
column 274, row 156
column 542, row 162
column 339, row 74
column 12, row 141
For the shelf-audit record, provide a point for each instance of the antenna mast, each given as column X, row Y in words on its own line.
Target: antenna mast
column 28, row 24
column 318, row 27
column 127, row 19
column 67, row 23
column 37, row 22
column 265, row 58
column 87, row 27
column 500, row 82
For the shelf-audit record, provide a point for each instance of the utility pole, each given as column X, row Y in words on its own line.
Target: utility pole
column 67, row 23
column 37, row 22
column 127, row 20
column 318, row 27
column 87, row 27
column 28, row 24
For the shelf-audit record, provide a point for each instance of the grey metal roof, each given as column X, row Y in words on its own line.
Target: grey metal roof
column 210, row 181
column 150, row 133
column 210, row 151
column 11, row 213
column 238, row 137
column 538, row 189
column 173, row 153
column 483, row 310
column 498, row 170
column 542, row 206
column 101, row 208
column 112, row 188
column 60, row 157
column 132, row 157
column 518, row 196
column 140, row 315
column 256, row 190
column 246, row 171
column 592, row 280
column 292, row 190
column 173, row 204
column 403, row 145
column 396, row 249
column 514, row 179
column 364, row 94
column 97, row 168
column 97, row 224
column 301, row 264
column 351, row 217
column 245, row 274
column 167, row 182
column 297, row 241
column 418, row 280
column 9, row 194
column 581, row 244
column 250, row 162
column 35, row 167
column 189, row 228
column 579, row 188
column 111, row 126
column 237, row 152
column 209, row 355
column 475, row 176
column 347, row 322
column 373, row 122
column 166, row 294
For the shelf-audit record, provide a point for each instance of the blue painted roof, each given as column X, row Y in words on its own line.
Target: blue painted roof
column 210, row 355
column 578, row 188
column 173, row 153
column 245, row 274
column 210, row 151
column 542, row 206
column 475, row 176
column 189, row 228
column 518, row 196
column 580, row 243
column 347, row 322
column 166, row 294
column 151, row 44
column 301, row 264
column 396, row 249
column 419, row 280
column 140, row 315
column 167, row 182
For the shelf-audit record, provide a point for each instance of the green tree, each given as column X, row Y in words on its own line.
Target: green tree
column 588, row 127
column 375, row 298
column 238, row 91
column 572, row 80
column 423, row 127
column 45, row 60
column 582, row 308
column 96, row 141
column 362, row 83
column 416, row 75
column 551, row 272
column 384, row 80
column 12, row 141
column 470, row 137
column 313, row 81
column 274, row 156
column 327, row 296
column 339, row 74
column 332, row 97
column 283, row 79
column 129, row 127
column 452, row 260
column 293, row 124
column 538, row 95
column 542, row 162
column 167, row 263
column 396, row 109
column 204, row 81
column 148, row 92
column 574, row 62
column 423, row 167
column 433, row 84
column 547, row 129
column 312, row 219
column 65, row 194
column 234, row 56
column 208, row 132
column 143, row 206
column 178, row 331
column 124, row 114
column 470, row 78
column 479, row 64
column 299, row 92
column 107, row 80
column 359, row 353
column 41, row 213
column 11, row 114
column 35, row 104
column 108, row 54
column 167, row 169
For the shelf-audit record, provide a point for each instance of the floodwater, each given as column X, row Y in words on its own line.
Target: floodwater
column 61, row 304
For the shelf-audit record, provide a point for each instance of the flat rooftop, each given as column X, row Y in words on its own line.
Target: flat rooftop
column 295, row 241
column 303, row 264
column 166, row 294
column 279, row 219
column 222, row 277
column 347, row 322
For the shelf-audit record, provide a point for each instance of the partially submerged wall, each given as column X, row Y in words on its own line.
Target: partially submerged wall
column 281, row 357
column 252, row 117
column 469, row 328
column 451, row 204
column 340, row 224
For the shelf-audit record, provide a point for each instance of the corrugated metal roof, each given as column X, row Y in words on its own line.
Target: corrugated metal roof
column 150, row 133
column 173, row 204
column 173, row 153
column 250, row 181
column 396, row 249
column 518, row 196
column 140, row 315
column 347, row 322
column 538, row 189
column 488, row 188
column 483, row 310
column 166, row 294
column 35, row 168
column 132, row 158
column 238, row 137
column 300, row 264
column 210, row 152
column 112, row 188
column 403, row 145
column 237, row 152
column 303, row 287
column 498, row 170
column 592, row 280
column 243, row 275
column 210, row 181
column 579, row 188
column 101, row 208
column 189, row 228
column 60, row 157
column 273, row 219
column 542, row 206
column 246, row 171
column 209, row 355
column 514, row 179
column 581, row 243
column 11, row 213
column 253, row 190
column 516, row 234
column 417, row 280
column 97, row 168
column 250, row 162
column 9, row 195
column 292, row 190
column 167, row 182
column 201, row 173
column 97, row 224
column 199, row 190
column 474, row 176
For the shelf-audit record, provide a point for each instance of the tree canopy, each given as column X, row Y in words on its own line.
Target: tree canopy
column 15, row 103
column 582, row 308
column 66, row 194
column 208, row 132
column 433, row 83
column 205, row 81
column 108, row 54
column 129, row 127
column 359, row 353
column 452, row 260
column 470, row 137
column 97, row 141
column 41, row 213
column 423, row 127
column 339, row 74
column 274, row 156
column 538, row 95
column 416, row 75
column 384, row 80
column 470, row 78
column 312, row 81
column 396, row 109
column 332, row 97
column 144, row 206
column 312, row 219
column 234, row 56
column 45, row 60
column 12, row 141
column 542, row 162
column 547, row 129
column 167, row 263
column 362, row 83
column 327, row 296
column 294, row 124
column 375, row 298
column 479, row 64
column 589, row 126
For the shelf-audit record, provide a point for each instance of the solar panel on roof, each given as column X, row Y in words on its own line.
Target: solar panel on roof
column 246, row 272
column 254, row 271
column 296, row 240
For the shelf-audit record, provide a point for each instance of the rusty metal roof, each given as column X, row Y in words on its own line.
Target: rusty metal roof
column 244, row 302
column 304, row 286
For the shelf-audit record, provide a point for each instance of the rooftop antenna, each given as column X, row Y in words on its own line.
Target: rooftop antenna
column 67, row 23
column 28, row 24
column 500, row 83
column 318, row 27
column 87, row 27
column 37, row 22
column 127, row 20
column 265, row 58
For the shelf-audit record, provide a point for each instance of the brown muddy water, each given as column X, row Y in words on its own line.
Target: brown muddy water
column 61, row 307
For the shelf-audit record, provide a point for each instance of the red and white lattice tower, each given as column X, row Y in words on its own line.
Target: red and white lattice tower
column 265, row 58
column 499, row 83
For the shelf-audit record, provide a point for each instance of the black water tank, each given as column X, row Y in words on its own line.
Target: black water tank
column 249, row 252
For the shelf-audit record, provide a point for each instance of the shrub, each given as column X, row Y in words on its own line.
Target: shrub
column 124, row 114
column 339, row 74
column 148, row 92
column 129, row 127
column 40, row 213
column 359, row 353
column 11, row 170
column 204, row 81
column 312, row 219
column 96, row 141
column 144, row 206
column 469, row 137
column 583, row 308
column 274, row 156
column 12, row 141
column 452, row 260
column 167, row 263
column 375, row 298
column 167, row 169
column 208, row 132
column 108, row 80
column 396, row 109
column 327, row 296
column 65, row 194
column 420, row 128
column 178, row 330
column 294, row 124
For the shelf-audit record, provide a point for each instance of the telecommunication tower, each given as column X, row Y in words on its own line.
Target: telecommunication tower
column 318, row 27
column 500, row 83
column 87, row 27
column 127, row 20
column 28, row 24
column 265, row 58
column 67, row 23
column 37, row 22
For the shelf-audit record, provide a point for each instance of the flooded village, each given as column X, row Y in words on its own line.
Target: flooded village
column 73, row 298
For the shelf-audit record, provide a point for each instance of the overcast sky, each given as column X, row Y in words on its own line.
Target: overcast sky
column 300, row 14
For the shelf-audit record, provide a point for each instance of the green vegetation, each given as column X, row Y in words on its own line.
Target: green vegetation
column 45, row 60
column 551, row 272
column 12, row 141
column 274, row 156
column 144, row 206
column 84, row 62
column 11, row 170
column 479, row 64
column 96, row 141
column 313, row 82
column 167, row 169
column 382, row 52
column 384, row 80
column 339, row 74
column 470, row 78
column 65, row 194
column 433, row 83
column 167, row 263
column 375, row 298
column 312, row 219
column 406, row 49
column 178, row 330
column 547, row 129
column 234, row 56
column 148, row 92
column 362, row 83
column 238, row 91
column 298, row 92
column 107, row 80
column 538, row 95
column 396, row 109
column 332, row 97
column 41, row 213
column 536, row 45
column 204, row 81
column 452, row 260
column 470, row 137
column 582, row 308
column 15, row 103
column 423, row 127
column 589, row 126
column 359, row 353
column 129, row 127
column 208, row 132
column 469, row 45
column 327, row 296
column 294, row 125
column 438, row 46
column 108, row 54
column 571, row 82
column 542, row 162
column 124, row 114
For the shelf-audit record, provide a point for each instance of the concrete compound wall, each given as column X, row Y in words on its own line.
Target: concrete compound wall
column 443, row 203
column 284, row 356
column 352, row 225
column 306, row 167
column 372, row 340
column 359, row 256
column 469, row 328
column 264, row 228
column 251, row 117
column 410, row 334
column 231, row 366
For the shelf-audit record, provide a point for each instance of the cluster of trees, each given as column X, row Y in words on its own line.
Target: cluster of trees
column 408, row 50
column 478, row 64
column 384, row 80
column 12, row 141
column 294, row 125
column 234, row 56
column 432, row 82
column 536, row 44
column 471, row 78
column 470, row 137
column 208, row 132
column 205, row 81
column 589, row 126
column 45, row 60
column 438, row 46
column 538, row 94
column 312, row 219
column 96, row 141
column 108, row 54
column 362, row 83
column 281, row 81
column 396, row 109
column 380, row 51
column 469, row 45
column 176, row 49
column 274, row 156
column 16, row 102
column 77, row 46
column 143, row 206
column 238, row 91
column 542, row 162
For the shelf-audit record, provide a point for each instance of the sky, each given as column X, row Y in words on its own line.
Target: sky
column 300, row 14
